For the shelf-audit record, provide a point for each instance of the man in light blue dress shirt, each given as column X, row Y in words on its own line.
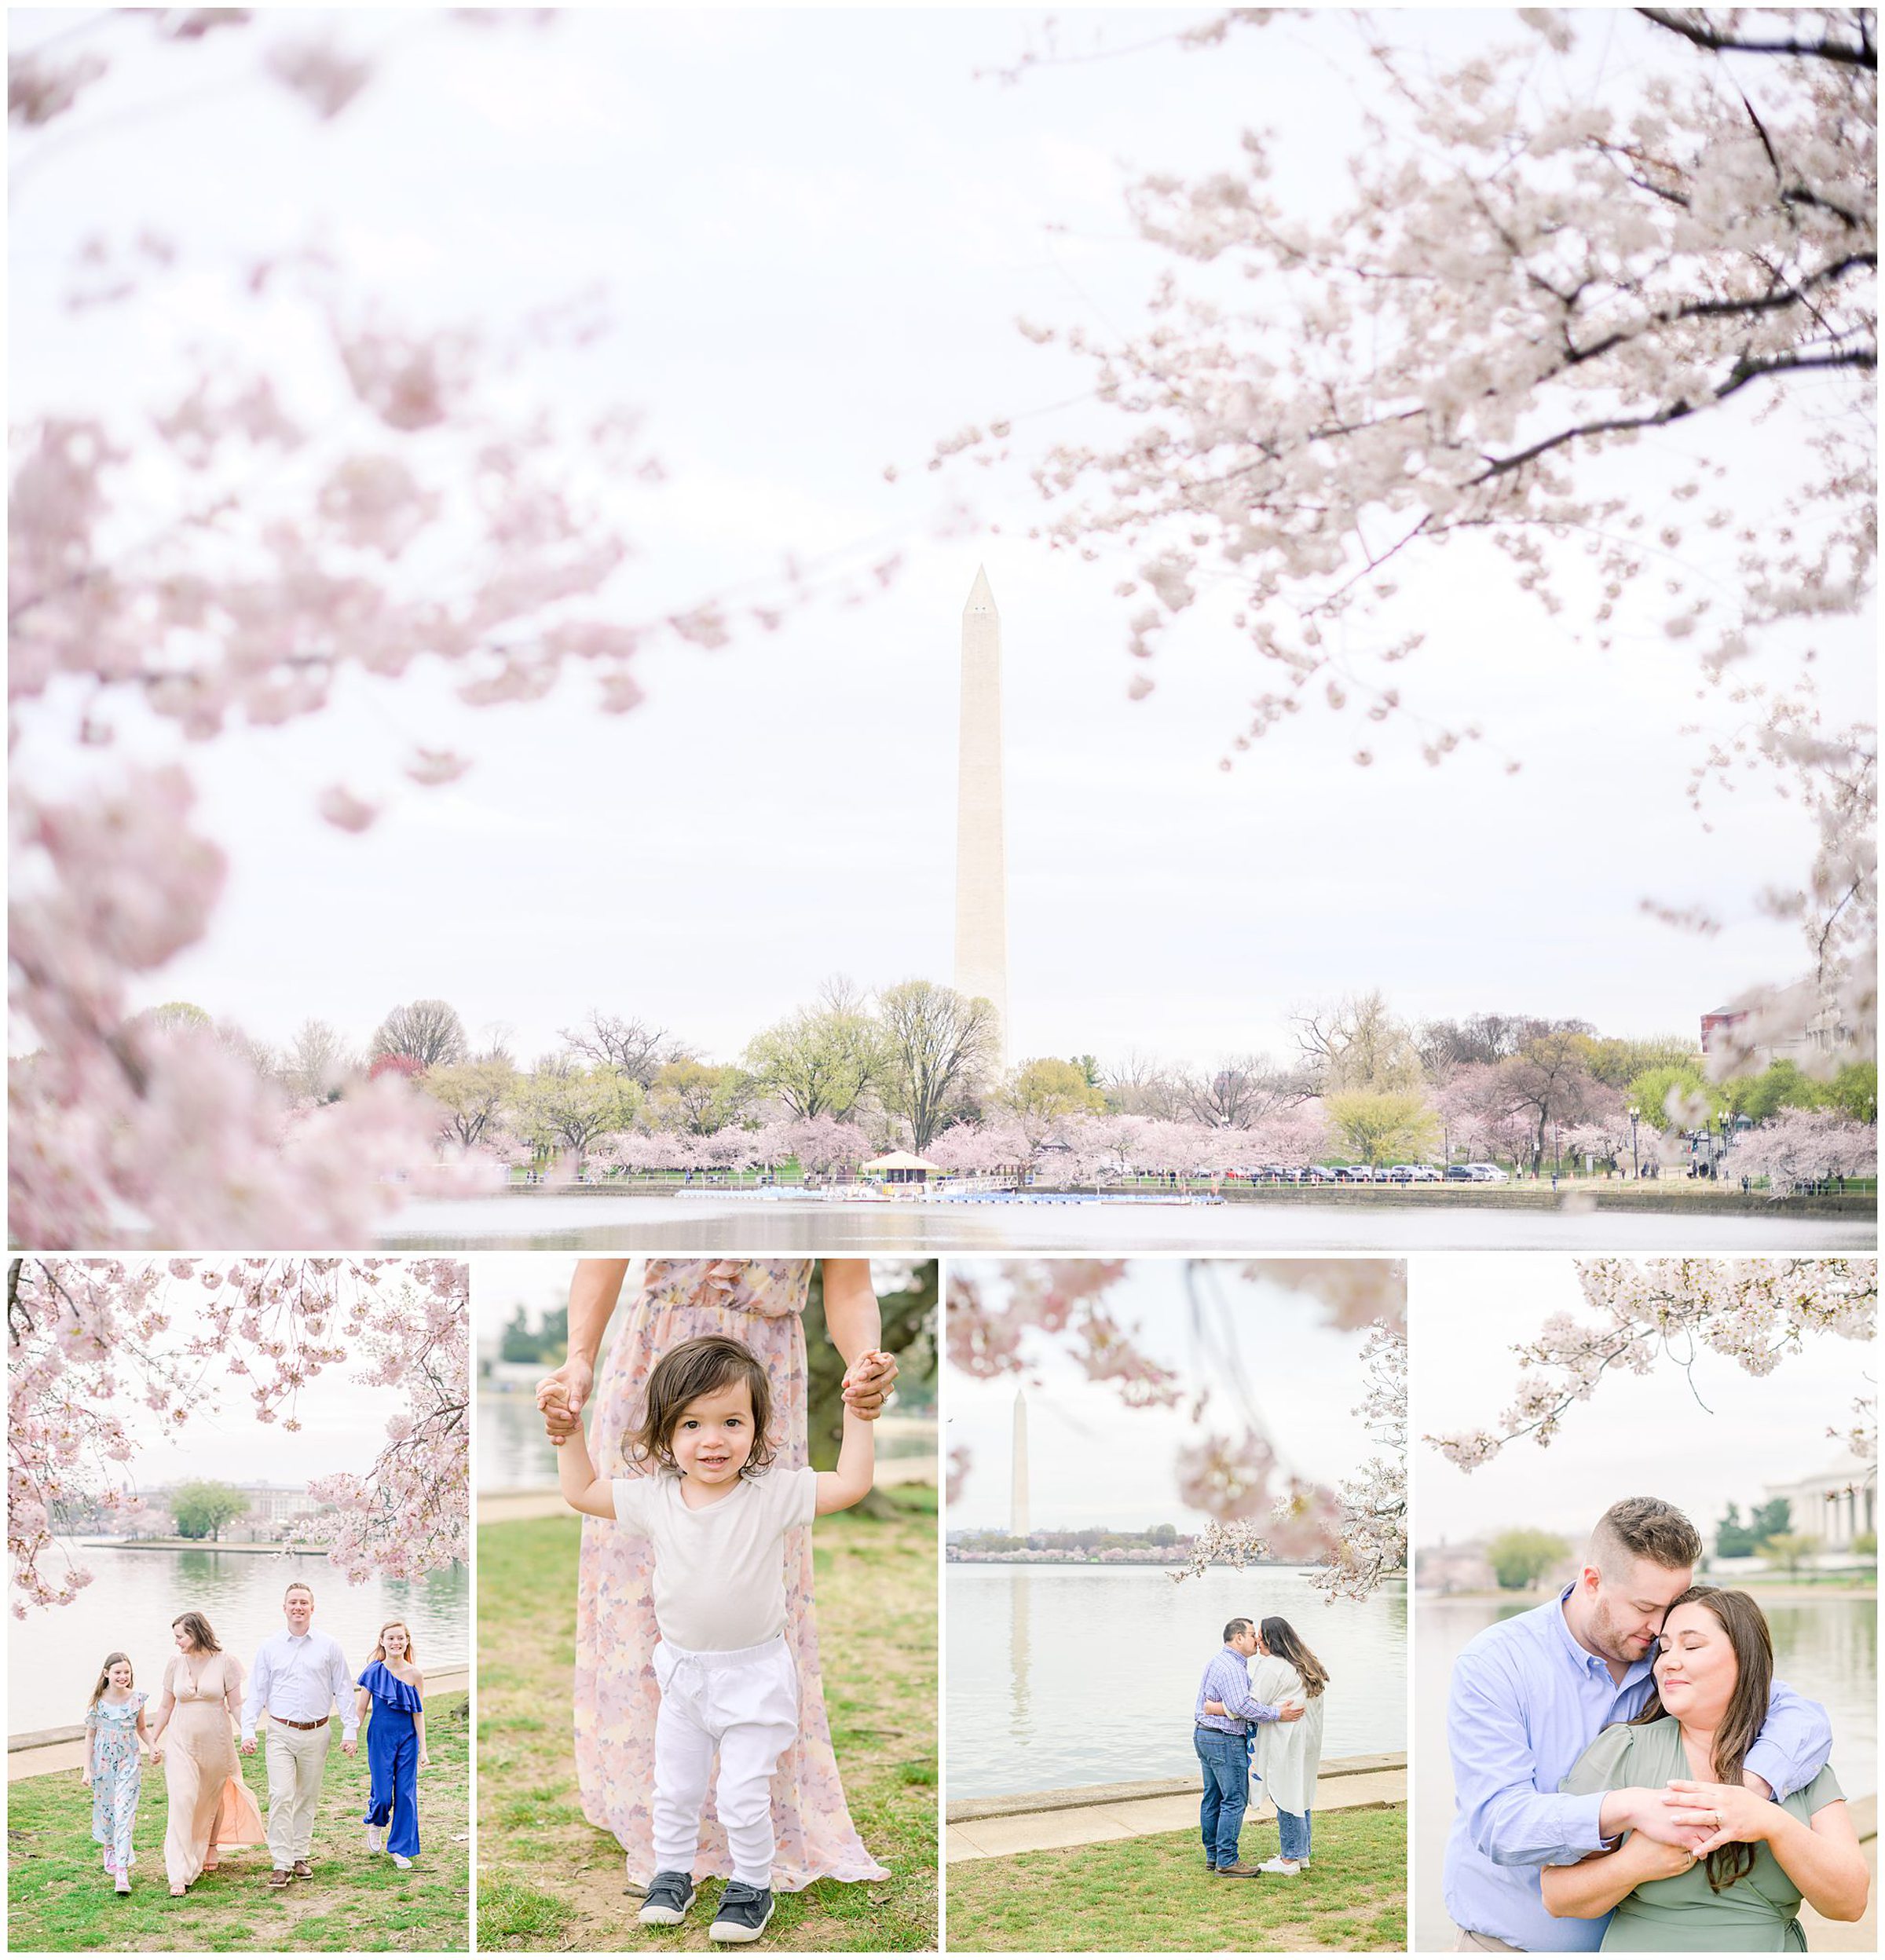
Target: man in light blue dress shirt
column 299, row 1678
column 1223, row 1754
column 1530, row 1695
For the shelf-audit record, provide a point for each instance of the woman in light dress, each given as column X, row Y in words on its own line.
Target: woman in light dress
column 757, row 1302
column 1287, row 1756
column 210, row 1807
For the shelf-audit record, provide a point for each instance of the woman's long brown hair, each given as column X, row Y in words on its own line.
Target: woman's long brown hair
column 203, row 1636
column 1288, row 1645
column 1741, row 1618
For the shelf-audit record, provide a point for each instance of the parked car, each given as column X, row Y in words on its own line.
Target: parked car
column 1459, row 1174
column 1426, row 1173
column 1402, row 1173
column 1488, row 1174
column 1319, row 1174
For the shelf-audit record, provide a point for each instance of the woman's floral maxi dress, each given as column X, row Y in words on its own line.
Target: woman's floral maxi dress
column 117, row 1778
column 758, row 1302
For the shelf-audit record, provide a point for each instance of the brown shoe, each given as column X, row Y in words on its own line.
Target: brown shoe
column 303, row 1869
column 279, row 1880
column 1239, row 1871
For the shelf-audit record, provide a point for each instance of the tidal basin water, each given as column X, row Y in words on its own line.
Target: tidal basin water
column 1827, row 1646
column 557, row 1222
column 54, row 1654
column 513, row 1455
column 1063, row 1675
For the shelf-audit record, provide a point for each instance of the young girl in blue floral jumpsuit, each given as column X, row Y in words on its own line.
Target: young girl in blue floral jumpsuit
column 115, row 1739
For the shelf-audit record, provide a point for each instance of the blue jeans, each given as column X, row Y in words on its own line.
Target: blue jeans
column 1227, row 1792
column 1292, row 1833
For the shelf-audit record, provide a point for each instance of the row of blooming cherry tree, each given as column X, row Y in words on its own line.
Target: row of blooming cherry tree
column 1002, row 1319
column 103, row 1355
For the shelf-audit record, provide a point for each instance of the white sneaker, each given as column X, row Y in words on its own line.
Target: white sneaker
column 376, row 1837
column 1280, row 1867
column 123, row 1883
column 405, row 1864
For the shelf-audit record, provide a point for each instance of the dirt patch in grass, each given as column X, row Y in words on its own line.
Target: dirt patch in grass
column 1153, row 1895
column 549, row 1880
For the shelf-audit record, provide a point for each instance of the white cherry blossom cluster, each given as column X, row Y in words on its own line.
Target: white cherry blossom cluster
column 1643, row 1314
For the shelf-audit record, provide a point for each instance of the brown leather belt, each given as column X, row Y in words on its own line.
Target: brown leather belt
column 283, row 1722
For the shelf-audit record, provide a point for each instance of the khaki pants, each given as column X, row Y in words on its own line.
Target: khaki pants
column 297, row 1758
column 1484, row 1942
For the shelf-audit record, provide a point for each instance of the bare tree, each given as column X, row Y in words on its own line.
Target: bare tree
column 428, row 1031
column 937, row 1043
column 318, row 1061
column 1357, row 1045
column 1239, row 1090
column 630, row 1048
column 1139, row 1086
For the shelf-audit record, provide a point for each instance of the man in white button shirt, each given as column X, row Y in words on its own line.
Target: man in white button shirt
column 299, row 1678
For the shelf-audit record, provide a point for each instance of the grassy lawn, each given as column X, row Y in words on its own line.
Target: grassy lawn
column 549, row 1880
column 59, row 1897
column 1153, row 1895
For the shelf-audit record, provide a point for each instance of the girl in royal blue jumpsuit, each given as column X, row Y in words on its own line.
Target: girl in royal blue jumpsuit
column 394, row 1690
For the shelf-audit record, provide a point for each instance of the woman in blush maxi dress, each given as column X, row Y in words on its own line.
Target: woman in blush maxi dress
column 210, row 1807
column 758, row 1302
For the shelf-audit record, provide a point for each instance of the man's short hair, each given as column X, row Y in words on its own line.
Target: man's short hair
column 300, row 1585
column 1235, row 1628
column 1644, row 1528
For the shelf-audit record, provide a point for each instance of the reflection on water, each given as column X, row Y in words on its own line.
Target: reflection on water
column 1064, row 1675
column 550, row 1222
column 513, row 1453
column 54, row 1654
column 1828, row 1648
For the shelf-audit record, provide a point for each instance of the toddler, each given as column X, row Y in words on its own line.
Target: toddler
column 715, row 1514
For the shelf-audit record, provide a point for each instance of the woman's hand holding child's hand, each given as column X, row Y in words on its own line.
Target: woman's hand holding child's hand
column 560, row 1398
column 868, row 1382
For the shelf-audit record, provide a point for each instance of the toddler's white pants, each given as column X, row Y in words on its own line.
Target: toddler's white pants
column 744, row 1702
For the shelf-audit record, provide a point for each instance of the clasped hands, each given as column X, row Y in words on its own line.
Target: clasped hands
column 1696, row 1818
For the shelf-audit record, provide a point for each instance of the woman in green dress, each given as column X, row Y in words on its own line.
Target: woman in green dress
column 1738, row 1890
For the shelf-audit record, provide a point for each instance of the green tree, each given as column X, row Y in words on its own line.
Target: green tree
column 1164, row 1534
column 1383, row 1127
column 1775, row 1516
column 909, row 1317
column 1617, row 1060
column 1520, row 1557
column 1790, row 1550
column 820, row 1060
column 700, row 1097
column 560, row 1107
column 202, row 1509
column 1853, row 1091
column 1044, row 1094
column 474, row 1096
column 1651, row 1093
column 1732, row 1539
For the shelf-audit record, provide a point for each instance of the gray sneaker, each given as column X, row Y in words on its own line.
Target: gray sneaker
column 744, row 1911
column 669, row 1896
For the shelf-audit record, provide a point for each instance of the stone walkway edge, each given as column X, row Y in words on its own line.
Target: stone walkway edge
column 1050, row 1820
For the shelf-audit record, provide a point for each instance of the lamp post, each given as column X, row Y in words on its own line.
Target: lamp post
column 1724, row 1118
column 1636, row 1163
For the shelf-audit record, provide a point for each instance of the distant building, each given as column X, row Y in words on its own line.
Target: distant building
column 1795, row 1026
column 1837, row 1506
column 1453, row 1568
column 278, row 1503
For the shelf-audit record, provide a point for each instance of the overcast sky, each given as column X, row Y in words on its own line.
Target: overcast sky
column 343, row 1424
column 1700, row 1448
column 818, row 229
column 1092, row 1461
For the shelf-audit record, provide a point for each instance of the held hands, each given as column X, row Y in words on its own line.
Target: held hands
column 350, row 1747
column 1652, row 1815
column 1725, row 1813
column 868, row 1383
column 1655, row 1859
column 248, row 1746
column 560, row 1398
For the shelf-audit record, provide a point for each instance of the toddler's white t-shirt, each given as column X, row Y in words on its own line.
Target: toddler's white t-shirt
column 720, row 1572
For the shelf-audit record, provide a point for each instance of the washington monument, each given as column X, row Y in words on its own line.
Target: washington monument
column 1017, row 1518
column 981, row 851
